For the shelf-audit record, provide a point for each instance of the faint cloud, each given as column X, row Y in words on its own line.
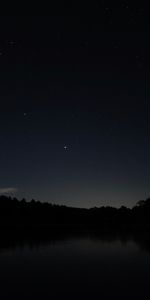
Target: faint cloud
column 8, row 190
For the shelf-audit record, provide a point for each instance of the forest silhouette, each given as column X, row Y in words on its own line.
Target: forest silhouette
column 19, row 214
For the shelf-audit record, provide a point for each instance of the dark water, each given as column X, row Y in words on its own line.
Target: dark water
column 75, row 267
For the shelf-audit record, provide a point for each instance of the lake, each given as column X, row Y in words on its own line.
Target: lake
column 75, row 266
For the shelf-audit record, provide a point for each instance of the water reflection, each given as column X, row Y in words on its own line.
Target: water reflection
column 44, row 265
column 10, row 240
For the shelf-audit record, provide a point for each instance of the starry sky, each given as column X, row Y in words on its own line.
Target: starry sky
column 74, row 105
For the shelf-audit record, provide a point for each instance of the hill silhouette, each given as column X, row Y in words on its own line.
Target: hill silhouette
column 15, row 213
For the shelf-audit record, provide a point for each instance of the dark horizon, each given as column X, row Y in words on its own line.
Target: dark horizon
column 12, row 197
column 15, row 214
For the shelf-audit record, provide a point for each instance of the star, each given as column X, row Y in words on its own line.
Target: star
column 66, row 148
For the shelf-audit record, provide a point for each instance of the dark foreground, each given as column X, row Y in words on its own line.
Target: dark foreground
column 60, row 264
column 56, row 252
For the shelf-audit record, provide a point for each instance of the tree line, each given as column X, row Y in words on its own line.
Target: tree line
column 15, row 213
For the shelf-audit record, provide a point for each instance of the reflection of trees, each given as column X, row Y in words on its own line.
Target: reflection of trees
column 11, row 239
column 143, row 241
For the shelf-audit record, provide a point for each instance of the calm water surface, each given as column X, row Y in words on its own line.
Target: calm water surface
column 76, row 268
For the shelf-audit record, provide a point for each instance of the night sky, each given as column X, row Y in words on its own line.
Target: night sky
column 74, row 105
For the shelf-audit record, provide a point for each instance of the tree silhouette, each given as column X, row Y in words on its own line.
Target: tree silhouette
column 34, row 213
